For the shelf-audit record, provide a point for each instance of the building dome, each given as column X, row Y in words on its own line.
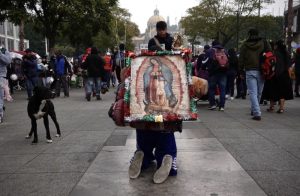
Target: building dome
column 154, row 19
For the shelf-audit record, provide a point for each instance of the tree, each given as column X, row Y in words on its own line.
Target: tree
column 121, row 29
column 16, row 12
column 214, row 18
column 51, row 15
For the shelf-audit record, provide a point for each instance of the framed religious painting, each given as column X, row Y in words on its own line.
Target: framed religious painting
column 159, row 90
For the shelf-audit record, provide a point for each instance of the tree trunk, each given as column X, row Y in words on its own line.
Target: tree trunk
column 51, row 40
column 21, row 36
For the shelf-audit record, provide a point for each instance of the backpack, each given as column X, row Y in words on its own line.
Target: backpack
column 120, row 59
column 116, row 111
column 268, row 65
column 221, row 58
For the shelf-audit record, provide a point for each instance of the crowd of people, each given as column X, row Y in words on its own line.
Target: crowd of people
column 95, row 71
column 225, row 68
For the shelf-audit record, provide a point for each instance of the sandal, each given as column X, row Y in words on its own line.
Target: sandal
column 270, row 109
column 280, row 111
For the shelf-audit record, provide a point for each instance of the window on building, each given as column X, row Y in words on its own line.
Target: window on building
column 18, row 44
column 17, row 31
column 26, row 44
column 10, row 29
column 10, row 44
column 2, row 41
column 2, row 30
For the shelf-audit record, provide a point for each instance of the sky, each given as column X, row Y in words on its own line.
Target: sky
column 142, row 10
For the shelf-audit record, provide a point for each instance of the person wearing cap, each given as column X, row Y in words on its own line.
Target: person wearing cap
column 202, row 63
column 5, row 60
column 249, row 60
column 30, row 71
column 148, row 139
column 62, row 70
column 119, row 60
column 217, row 78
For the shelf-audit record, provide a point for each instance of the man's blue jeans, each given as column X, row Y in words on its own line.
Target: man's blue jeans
column 255, row 85
column 91, row 82
column 220, row 80
column 30, row 84
column 1, row 101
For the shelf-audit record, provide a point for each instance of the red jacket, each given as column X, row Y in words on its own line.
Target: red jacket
column 108, row 63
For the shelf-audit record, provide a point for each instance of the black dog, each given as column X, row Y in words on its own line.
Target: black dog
column 40, row 106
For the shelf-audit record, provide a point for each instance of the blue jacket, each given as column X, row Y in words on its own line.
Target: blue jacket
column 5, row 59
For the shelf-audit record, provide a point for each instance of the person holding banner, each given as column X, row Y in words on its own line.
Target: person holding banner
column 162, row 141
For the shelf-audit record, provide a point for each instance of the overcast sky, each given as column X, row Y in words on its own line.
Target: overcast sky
column 141, row 10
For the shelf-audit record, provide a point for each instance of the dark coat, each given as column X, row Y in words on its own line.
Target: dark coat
column 94, row 65
column 29, row 66
column 168, row 41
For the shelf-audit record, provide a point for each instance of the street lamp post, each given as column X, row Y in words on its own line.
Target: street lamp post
column 290, row 24
column 237, row 29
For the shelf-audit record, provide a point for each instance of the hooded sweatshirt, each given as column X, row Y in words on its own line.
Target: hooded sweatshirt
column 95, row 64
column 250, row 54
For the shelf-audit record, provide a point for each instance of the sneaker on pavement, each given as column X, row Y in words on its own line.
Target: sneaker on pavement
column 163, row 172
column 258, row 118
column 221, row 109
column 212, row 107
column 136, row 164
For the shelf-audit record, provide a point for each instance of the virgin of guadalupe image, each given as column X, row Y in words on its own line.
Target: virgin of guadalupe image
column 159, row 96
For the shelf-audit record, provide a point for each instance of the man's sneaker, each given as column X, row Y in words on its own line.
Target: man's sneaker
column 258, row 118
column 221, row 109
column 28, row 136
column 136, row 164
column 98, row 97
column 212, row 107
column 49, row 141
column 231, row 98
column 163, row 172
column 1, row 119
column 88, row 97
column 57, row 135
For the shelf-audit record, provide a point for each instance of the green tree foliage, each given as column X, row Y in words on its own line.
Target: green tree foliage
column 77, row 24
column 217, row 19
column 51, row 15
column 121, row 29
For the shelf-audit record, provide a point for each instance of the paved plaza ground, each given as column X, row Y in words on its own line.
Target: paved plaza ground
column 225, row 153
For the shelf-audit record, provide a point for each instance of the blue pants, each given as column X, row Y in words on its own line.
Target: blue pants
column 93, row 82
column 163, row 143
column 255, row 84
column 30, row 84
column 219, row 79
column 231, row 74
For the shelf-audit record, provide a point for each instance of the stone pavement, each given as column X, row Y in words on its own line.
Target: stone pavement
column 226, row 153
